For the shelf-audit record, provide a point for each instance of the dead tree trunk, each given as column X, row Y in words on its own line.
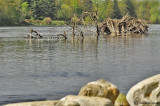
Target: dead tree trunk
column 93, row 17
column 98, row 31
column 73, row 28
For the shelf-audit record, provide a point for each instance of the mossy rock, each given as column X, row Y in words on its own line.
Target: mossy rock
column 100, row 88
column 121, row 100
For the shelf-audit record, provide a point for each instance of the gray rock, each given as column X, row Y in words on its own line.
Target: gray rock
column 37, row 103
column 145, row 93
column 72, row 100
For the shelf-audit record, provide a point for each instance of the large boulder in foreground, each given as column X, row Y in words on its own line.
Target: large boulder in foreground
column 38, row 103
column 100, row 88
column 145, row 93
column 72, row 100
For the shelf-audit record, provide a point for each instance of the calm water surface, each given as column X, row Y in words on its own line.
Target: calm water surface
column 50, row 69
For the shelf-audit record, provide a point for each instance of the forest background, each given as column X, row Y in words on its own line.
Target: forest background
column 60, row 12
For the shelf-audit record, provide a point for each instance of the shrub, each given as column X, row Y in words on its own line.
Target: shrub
column 47, row 20
column 58, row 23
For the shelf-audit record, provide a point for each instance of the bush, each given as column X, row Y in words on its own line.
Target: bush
column 47, row 20
column 58, row 23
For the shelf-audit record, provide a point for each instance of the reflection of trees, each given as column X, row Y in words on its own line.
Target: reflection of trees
column 21, row 45
column 35, row 45
column 124, row 41
column 1, row 45
column 10, row 45
column 87, row 45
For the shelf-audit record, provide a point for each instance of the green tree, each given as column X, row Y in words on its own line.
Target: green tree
column 65, row 12
column 44, row 8
column 101, row 6
column 122, row 6
column 87, row 5
column 76, row 6
column 24, row 10
column 155, row 13
column 70, row 7
column 143, row 12
column 109, row 9
column 130, row 8
column 28, row 2
column 116, row 11
column 36, row 9
column 10, row 12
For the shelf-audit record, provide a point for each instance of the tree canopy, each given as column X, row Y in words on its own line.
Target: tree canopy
column 116, row 12
column 13, row 12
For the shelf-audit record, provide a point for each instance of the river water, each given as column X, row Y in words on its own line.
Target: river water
column 46, row 69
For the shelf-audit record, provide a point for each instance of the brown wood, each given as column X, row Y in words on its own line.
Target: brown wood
column 125, row 26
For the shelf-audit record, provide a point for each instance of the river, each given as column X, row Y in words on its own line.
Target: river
column 46, row 69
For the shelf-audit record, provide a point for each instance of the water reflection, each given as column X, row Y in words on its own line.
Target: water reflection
column 89, row 42
column 124, row 40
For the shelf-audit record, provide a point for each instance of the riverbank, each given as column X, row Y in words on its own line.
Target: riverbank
column 41, row 23
column 45, row 22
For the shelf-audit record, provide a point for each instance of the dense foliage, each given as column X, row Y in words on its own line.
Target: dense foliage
column 16, row 12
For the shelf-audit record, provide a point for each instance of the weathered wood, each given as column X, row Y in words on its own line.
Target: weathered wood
column 125, row 26
column 30, row 36
column 93, row 17
column 73, row 28
column 64, row 35
column 36, row 32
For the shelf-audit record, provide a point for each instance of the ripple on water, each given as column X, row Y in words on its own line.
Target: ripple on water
column 50, row 69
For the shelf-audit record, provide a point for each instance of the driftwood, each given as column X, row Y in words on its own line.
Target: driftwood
column 36, row 32
column 125, row 26
column 93, row 17
column 38, row 35
column 64, row 35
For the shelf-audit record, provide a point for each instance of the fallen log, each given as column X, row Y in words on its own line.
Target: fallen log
column 125, row 26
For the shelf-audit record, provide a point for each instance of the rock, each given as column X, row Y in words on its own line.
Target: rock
column 72, row 100
column 100, row 88
column 38, row 103
column 121, row 100
column 145, row 93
